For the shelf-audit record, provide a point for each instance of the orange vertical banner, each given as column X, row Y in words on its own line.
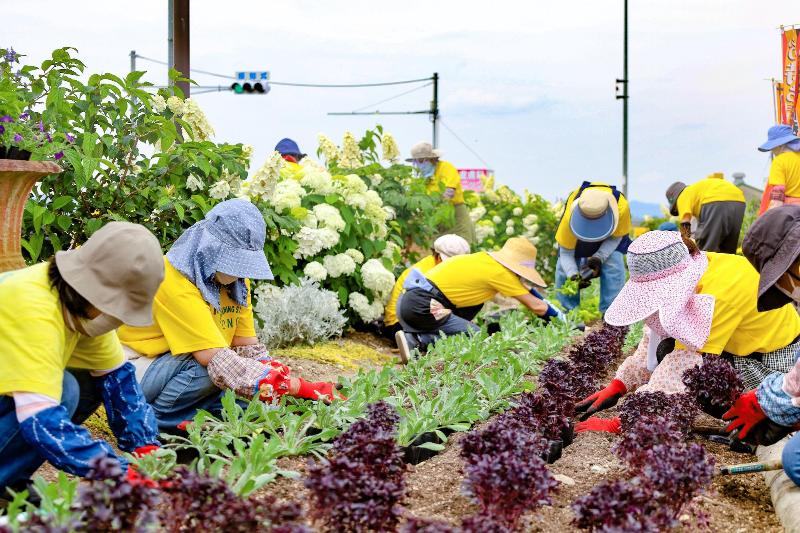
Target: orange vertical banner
column 790, row 78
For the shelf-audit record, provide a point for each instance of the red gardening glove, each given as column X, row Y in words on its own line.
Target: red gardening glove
column 602, row 399
column 184, row 426
column 609, row 425
column 276, row 382
column 745, row 414
column 319, row 390
column 134, row 477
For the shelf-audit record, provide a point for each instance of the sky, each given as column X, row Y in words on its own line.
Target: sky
column 528, row 86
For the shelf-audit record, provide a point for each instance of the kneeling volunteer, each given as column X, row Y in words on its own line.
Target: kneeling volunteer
column 444, row 247
column 693, row 302
column 771, row 412
column 203, row 339
column 61, row 358
column 447, row 298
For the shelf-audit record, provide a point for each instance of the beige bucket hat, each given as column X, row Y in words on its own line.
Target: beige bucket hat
column 118, row 270
column 450, row 245
column 519, row 256
column 424, row 150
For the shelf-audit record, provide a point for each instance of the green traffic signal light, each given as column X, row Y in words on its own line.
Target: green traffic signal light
column 237, row 88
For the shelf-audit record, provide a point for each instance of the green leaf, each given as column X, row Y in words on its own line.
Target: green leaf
column 180, row 210
column 61, row 201
column 63, row 222
column 431, row 446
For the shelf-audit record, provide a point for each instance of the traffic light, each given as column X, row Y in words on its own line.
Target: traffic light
column 251, row 83
column 240, row 88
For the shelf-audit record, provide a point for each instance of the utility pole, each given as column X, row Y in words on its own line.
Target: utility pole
column 435, row 110
column 178, row 40
column 624, row 97
column 133, row 60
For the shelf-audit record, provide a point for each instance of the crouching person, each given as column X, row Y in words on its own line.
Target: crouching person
column 447, row 298
column 61, row 357
column 203, row 339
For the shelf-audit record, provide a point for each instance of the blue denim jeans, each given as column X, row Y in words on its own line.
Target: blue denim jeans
column 612, row 278
column 791, row 459
column 176, row 386
column 18, row 459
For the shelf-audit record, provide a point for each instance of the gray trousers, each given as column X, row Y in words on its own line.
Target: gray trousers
column 719, row 225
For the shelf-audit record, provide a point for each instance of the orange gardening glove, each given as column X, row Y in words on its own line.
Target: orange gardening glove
column 609, row 425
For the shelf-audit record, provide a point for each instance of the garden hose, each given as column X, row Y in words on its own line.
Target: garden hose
column 749, row 468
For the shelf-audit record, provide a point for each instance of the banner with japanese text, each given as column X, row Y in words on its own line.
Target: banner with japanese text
column 790, row 78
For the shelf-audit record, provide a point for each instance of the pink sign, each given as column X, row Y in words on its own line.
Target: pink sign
column 471, row 178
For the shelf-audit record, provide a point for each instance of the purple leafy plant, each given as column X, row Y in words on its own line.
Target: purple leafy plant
column 715, row 385
column 359, row 488
column 423, row 525
column 679, row 408
column 616, row 506
column 504, row 472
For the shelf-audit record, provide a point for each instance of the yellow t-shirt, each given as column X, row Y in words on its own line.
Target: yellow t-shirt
column 390, row 315
column 473, row 279
column 564, row 236
column 35, row 343
column 737, row 327
column 705, row 191
column 446, row 176
column 186, row 323
column 785, row 170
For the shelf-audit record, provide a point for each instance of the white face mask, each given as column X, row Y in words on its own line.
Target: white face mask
column 92, row 327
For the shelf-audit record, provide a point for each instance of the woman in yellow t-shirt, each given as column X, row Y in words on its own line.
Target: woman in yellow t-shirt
column 61, row 358
column 692, row 302
column 203, row 339
column 443, row 177
column 444, row 247
column 447, row 298
column 783, row 184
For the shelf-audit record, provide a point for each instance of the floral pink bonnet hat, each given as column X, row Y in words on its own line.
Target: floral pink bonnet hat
column 661, row 290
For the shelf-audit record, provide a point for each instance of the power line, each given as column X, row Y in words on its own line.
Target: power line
column 465, row 145
column 296, row 84
column 395, row 97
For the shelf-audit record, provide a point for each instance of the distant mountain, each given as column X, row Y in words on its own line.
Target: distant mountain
column 640, row 209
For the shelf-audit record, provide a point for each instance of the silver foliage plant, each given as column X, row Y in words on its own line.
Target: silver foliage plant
column 297, row 314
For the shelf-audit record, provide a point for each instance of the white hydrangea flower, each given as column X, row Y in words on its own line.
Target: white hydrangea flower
column 376, row 278
column 530, row 219
column 534, row 228
column 534, row 240
column 351, row 184
column 310, row 221
column 517, row 211
column 327, row 148
column 367, row 311
column 357, row 200
column 159, row 104
column 318, row 180
column 477, row 213
column 339, row 265
column 484, row 230
column 390, row 250
column 311, row 241
column 247, row 152
column 193, row 183
column 329, row 217
column 263, row 182
column 391, row 213
column 175, row 104
column 557, row 208
column 288, row 194
column 351, row 153
column 510, row 230
column 510, row 223
column 315, row 271
column 377, row 179
column 355, row 255
column 389, row 147
column 496, row 219
column 197, row 120
column 220, row 190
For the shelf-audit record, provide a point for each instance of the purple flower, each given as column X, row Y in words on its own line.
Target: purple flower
column 2, row 129
column 70, row 138
column 41, row 126
column 17, row 138
column 24, row 116
column 11, row 55
column 58, row 155
column 6, row 118
column 49, row 138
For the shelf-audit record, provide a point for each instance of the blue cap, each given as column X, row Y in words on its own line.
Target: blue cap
column 288, row 147
column 668, row 226
column 778, row 136
column 594, row 216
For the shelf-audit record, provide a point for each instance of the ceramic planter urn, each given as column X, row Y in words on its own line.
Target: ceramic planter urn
column 17, row 178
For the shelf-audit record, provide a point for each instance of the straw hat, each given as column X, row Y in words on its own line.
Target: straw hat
column 424, row 150
column 118, row 270
column 519, row 256
column 595, row 215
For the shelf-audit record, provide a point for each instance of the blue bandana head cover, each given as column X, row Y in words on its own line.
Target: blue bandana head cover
column 229, row 240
